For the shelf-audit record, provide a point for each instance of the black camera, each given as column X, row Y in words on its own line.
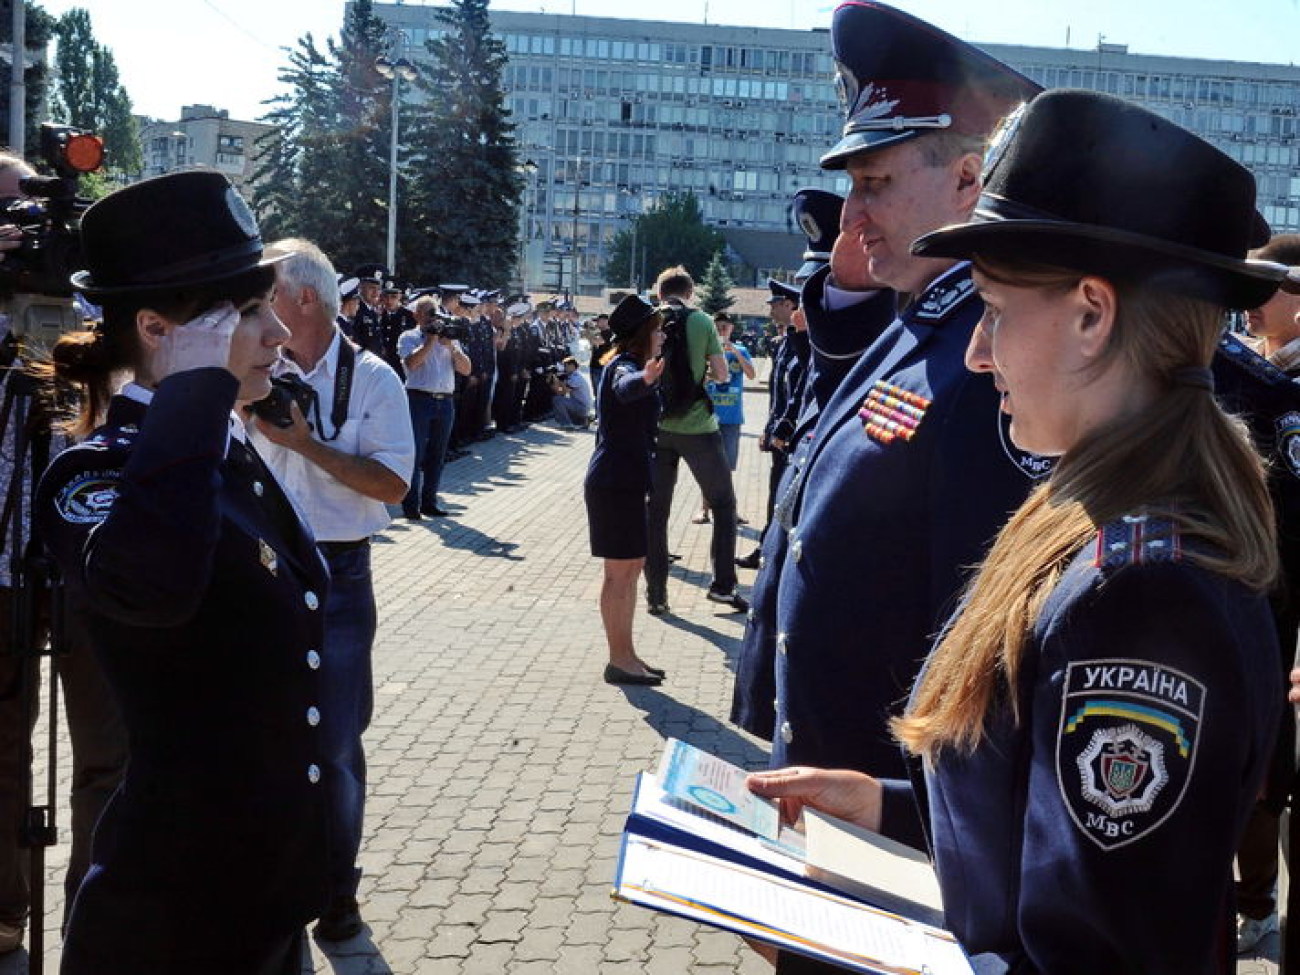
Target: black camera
column 447, row 327
column 49, row 214
column 277, row 406
column 673, row 312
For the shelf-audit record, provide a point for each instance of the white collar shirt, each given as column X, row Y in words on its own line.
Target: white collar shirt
column 378, row 427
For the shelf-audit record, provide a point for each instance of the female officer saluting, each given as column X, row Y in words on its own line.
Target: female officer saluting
column 1095, row 721
column 201, row 591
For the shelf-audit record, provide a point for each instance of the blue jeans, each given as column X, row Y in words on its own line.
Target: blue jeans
column 730, row 442
column 570, row 410
column 707, row 461
column 432, row 420
column 347, row 701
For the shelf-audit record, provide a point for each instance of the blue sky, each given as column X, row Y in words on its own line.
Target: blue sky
column 227, row 52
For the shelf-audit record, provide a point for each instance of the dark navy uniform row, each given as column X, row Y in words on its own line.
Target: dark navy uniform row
column 875, row 524
column 1148, row 703
column 201, row 592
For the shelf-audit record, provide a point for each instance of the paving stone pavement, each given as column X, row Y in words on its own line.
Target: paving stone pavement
column 500, row 764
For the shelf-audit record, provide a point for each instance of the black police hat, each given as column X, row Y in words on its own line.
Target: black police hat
column 371, row 274
column 629, row 315
column 177, row 230
column 817, row 212
column 1096, row 184
column 391, row 287
column 780, row 290
column 901, row 77
column 452, row 290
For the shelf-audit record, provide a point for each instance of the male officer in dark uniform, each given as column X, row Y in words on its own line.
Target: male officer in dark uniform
column 908, row 474
column 366, row 330
column 394, row 319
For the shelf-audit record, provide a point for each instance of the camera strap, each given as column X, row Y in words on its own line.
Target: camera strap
column 343, row 372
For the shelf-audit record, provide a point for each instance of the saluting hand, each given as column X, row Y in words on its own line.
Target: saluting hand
column 202, row 341
column 653, row 370
column 1294, row 694
column 850, row 796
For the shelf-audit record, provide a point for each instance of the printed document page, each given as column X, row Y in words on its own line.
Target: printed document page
column 786, row 913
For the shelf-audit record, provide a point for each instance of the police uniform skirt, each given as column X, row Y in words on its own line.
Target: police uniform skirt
column 616, row 520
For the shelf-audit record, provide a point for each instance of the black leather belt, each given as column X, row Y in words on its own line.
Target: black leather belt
column 425, row 392
column 334, row 548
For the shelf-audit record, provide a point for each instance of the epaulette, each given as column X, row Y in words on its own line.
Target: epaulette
column 108, row 438
column 942, row 300
column 1137, row 540
column 1247, row 359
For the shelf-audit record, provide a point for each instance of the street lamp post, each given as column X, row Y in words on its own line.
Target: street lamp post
column 529, row 170
column 397, row 71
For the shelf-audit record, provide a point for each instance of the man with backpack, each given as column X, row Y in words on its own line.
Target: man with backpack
column 688, row 430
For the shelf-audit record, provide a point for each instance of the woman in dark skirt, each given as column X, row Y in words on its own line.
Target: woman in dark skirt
column 201, row 592
column 618, row 479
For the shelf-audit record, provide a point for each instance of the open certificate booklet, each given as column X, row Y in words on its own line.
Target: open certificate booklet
column 690, row 848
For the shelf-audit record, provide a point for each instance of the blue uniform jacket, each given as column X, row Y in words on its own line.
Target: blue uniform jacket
column 1098, row 834
column 789, row 373
column 873, row 533
column 202, row 594
column 627, row 420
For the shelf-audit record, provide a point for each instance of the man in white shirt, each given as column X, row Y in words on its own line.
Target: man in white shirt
column 573, row 396
column 340, row 465
column 432, row 360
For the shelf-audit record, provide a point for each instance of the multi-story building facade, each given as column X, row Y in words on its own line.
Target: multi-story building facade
column 204, row 137
column 613, row 113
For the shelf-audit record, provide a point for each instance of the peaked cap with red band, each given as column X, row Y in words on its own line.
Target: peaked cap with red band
column 901, row 77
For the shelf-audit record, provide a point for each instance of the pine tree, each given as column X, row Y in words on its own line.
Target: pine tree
column 715, row 286
column 460, row 217
column 89, row 92
column 672, row 232
column 322, row 172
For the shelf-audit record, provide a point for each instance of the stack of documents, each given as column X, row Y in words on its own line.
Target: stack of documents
column 699, row 845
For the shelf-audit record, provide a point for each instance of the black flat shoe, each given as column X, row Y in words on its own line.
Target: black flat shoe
column 661, row 674
column 617, row 675
column 433, row 511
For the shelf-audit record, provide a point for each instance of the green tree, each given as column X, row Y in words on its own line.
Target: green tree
column 714, row 292
column 36, row 76
column 460, row 215
column 671, row 232
column 322, row 173
column 89, row 92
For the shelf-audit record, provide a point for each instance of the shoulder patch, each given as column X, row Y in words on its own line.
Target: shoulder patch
column 1288, row 441
column 941, row 301
column 1137, row 540
column 87, row 498
column 1126, row 746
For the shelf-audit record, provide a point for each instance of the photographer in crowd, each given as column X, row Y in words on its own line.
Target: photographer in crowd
column 573, row 397
column 729, row 400
column 341, row 464
column 433, row 360
column 94, row 726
